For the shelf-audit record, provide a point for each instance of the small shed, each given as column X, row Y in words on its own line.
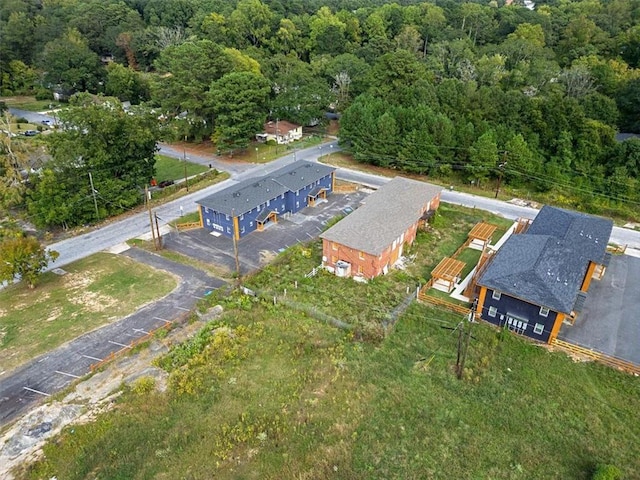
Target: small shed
column 447, row 274
column 480, row 235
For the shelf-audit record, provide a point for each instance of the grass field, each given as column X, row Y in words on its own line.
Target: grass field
column 29, row 103
column 168, row 168
column 270, row 392
column 95, row 291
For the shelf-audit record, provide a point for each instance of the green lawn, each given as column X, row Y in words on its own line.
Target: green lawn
column 470, row 258
column 30, row 103
column 168, row 168
column 273, row 391
column 95, row 291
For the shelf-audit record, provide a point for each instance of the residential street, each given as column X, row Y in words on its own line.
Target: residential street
column 73, row 249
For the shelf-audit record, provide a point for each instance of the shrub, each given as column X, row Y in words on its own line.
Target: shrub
column 143, row 385
column 21, row 120
column 44, row 94
column 607, row 472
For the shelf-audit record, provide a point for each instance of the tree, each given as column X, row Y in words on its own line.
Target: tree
column 483, row 157
column 14, row 160
column 126, row 84
column 238, row 101
column 103, row 140
column 24, row 258
column 70, row 63
column 251, row 22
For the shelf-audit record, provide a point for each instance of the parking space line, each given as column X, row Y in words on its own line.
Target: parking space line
column 196, row 296
column 158, row 318
column 67, row 374
column 182, row 308
column 119, row 344
column 140, row 330
column 91, row 358
column 36, row 391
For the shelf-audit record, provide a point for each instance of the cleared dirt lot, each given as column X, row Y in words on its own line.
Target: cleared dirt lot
column 610, row 322
column 258, row 248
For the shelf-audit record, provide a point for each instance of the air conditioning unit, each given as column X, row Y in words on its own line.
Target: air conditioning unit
column 343, row 269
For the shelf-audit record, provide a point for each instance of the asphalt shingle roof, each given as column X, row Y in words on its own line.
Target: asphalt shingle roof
column 248, row 194
column 546, row 265
column 386, row 214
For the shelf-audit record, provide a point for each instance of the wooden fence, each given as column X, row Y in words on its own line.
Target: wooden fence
column 345, row 188
column 188, row 226
column 616, row 249
column 439, row 302
column 134, row 343
column 597, row 356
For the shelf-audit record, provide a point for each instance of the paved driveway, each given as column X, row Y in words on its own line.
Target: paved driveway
column 258, row 248
column 610, row 321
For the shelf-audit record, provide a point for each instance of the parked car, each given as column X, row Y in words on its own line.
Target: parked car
column 30, row 133
column 46, row 122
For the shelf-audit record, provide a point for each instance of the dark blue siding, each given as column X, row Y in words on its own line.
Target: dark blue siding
column 217, row 222
column 509, row 306
column 289, row 202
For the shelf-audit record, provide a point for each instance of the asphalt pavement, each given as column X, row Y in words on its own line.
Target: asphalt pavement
column 55, row 370
column 609, row 321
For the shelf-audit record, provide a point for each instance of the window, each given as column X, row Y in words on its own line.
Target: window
column 492, row 311
column 228, row 230
column 251, row 224
column 242, row 230
column 544, row 312
column 360, row 270
column 334, row 259
column 268, row 202
column 206, row 210
column 496, row 295
column 208, row 222
column 242, row 217
column 334, row 245
column 538, row 329
column 227, row 217
column 361, row 255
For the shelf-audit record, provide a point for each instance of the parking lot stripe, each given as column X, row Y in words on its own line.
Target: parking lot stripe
column 67, row 374
column 37, row 391
column 196, row 296
column 140, row 330
column 158, row 318
column 91, row 358
column 182, row 308
column 119, row 344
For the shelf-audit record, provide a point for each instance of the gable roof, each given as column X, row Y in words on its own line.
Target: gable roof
column 546, row 265
column 386, row 214
column 248, row 194
column 280, row 127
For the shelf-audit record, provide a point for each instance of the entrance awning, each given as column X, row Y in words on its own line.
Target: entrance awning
column 264, row 215
column 316, row 191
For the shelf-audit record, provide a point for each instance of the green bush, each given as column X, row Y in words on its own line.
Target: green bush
column 271, row 142
column 143, row 385
column 607, row 472
column 21, row 120
column 44, row 94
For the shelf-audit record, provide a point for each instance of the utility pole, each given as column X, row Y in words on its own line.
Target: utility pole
column 147, row 197
column 235, row 246
column 501, row 171
column 158, row 231
column 95, row 201
column 184, row 157
column 472, row 316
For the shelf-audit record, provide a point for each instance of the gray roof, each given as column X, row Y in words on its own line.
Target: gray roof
column 248, row 194
column 546, row 265
column 587, row 234
column 386, row 214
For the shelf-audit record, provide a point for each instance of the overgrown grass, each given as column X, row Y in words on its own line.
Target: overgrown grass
column 95, row 291
column 30, row 103
column 270, row 392
column 267, row 392
column 263, row 153
column 168, row 168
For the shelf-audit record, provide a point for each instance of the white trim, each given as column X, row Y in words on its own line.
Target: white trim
column 496, row 295
column 492, row 311
column 538, row 329
column 544, row 312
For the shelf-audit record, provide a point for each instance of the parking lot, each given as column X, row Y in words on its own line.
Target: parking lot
column 610, row 321
column 258, row 248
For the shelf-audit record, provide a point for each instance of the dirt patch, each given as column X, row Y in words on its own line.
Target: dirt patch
column 21, row 444
column 54, row 314
column 266, row 256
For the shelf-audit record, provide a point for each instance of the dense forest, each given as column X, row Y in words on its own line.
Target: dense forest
column 533, row 95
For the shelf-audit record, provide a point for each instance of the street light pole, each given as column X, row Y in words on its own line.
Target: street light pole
column 184, row 155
